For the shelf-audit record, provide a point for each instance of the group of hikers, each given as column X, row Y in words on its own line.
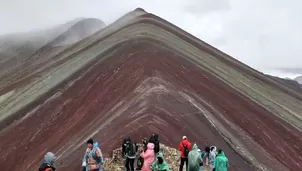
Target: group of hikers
column 151, row 158
column 194, row 157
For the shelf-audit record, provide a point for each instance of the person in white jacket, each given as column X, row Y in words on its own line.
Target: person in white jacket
column 212, row 156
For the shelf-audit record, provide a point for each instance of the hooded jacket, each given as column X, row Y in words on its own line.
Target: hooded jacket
column 48, row 161
column 149, row 157
column 221, row 162
column 124, row 145
column 194, row 159
column 126, row 148
column 182, row 145
column 160, row 167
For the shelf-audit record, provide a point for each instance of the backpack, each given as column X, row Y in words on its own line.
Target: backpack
column 140, row 162
column 131, row 149
column 95, row 157
column 186, row 150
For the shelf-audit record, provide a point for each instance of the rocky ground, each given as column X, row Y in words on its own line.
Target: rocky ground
column 116, row 162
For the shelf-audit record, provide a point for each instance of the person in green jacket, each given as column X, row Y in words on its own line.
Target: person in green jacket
column 194, row 159
column 160, row 164
column 221, row 162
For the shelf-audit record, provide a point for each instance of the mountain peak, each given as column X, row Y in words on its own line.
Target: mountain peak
column 299, row 79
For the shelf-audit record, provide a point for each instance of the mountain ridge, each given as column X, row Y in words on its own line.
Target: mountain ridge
column 80, row 28
column 299, row 79
column 168, row 85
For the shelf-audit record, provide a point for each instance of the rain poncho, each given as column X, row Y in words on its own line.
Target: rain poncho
column 156, row 166
column 194, row 159
column 48, row 161
column 221, row 162
column 148, row 156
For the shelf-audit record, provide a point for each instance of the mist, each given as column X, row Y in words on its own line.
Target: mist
column 265, row 35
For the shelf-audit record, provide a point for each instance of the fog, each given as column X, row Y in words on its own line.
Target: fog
column 265, row 34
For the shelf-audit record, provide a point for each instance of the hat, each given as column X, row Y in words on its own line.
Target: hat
column 184, row 137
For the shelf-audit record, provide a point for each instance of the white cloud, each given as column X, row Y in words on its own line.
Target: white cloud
column 264, row 34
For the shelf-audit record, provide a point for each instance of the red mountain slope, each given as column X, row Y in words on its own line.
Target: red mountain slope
column 142, row 75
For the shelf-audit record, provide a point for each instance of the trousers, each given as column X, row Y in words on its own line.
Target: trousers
column 182, row 162
column 129, row 164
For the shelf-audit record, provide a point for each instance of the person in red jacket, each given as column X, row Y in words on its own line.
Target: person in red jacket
column 184, row 147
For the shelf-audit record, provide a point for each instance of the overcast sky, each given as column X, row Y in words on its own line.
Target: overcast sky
column 264, row 34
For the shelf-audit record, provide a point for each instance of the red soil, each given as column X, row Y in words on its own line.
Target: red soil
column 139, row 89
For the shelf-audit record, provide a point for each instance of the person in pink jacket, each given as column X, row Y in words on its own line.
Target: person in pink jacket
column 149, row 157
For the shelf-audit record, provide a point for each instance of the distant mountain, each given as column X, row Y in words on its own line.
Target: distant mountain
column 17, row 48
column 294, row 70
column 292, row 84
column 299, row 79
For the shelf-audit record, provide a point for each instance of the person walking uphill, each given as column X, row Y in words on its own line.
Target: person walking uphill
column 184, row 147
column 93, row 157
column 221, row 162
column 160, row 164
column 148, row 156
column 48, row 162
column 129, row 150
column 194, row 159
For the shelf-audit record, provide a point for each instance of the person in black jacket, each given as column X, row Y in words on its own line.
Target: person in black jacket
column 48, row 162
column 129, row 150
column 155, row 140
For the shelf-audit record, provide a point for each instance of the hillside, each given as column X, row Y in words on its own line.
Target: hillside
column 143, row 75
column 291, row 84
column 21, row 51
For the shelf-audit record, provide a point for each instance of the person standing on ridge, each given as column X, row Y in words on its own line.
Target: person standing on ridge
column 221, row 162
column 140, row 160
column 184, row 147
column 145, row 143
column 155, row 140
column 148, row 156
column 205, row 154
column 160, row 164
column 212, row 156
column 93, row 157
column 194, row 159
column 47, row 164
column 129, row 150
